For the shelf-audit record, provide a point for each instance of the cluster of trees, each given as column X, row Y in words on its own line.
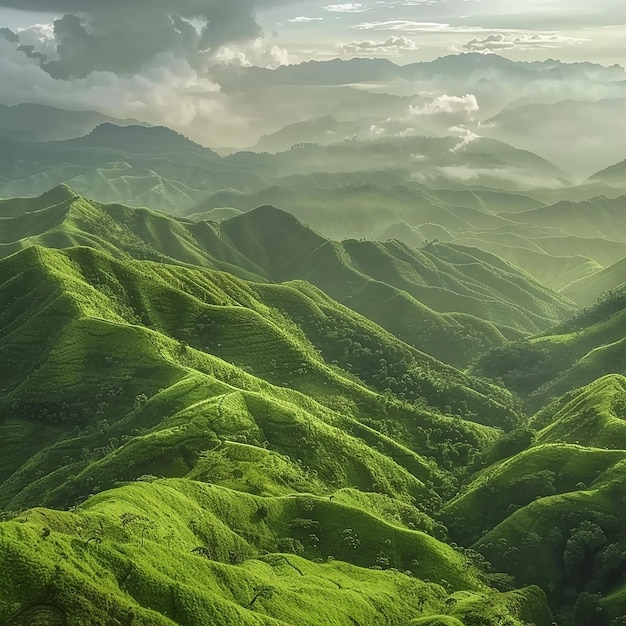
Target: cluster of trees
column 609, row 303
column 521, row 366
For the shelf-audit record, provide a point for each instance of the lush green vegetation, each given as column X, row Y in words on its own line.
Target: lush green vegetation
column 245, row 422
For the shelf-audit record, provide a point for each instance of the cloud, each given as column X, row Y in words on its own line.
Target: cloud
column 410, row 26
column 302, row 19
column 350, row 7
column 466, row 136
column 447, row 104
column 164, row 90
column 257, row 53
column 496, row 42
column 121, row 36
column 520, row 178
column 391, row 45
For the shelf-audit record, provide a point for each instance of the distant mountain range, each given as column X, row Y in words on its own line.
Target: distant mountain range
column 37, row 122
column 457, row 66
column 576, row 134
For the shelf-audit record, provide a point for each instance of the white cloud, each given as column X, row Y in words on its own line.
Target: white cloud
column 302, row 19
column 515, row 176
column 447, row 104
column 466, row 136
column 41, row 37
column 409, row 26
column 390, row 46
column 522, row 41
column 257, row 53
column 349, row 7
column 168, row 91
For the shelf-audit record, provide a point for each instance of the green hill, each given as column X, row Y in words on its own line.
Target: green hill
column 468, row 296
column 469, row 300
column 36, row 122
column 139, row 139
column 572, row 354
column 586, row 291
column 246, row 421
column 615, row 175
column 171, row 338
column 598, row 217
column 171, row 552
column 552, row 514
column 118, row 371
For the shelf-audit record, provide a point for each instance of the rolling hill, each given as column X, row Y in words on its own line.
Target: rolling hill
column 572, row 354
column 235, row 418
column 614, row 175
column 179, row 412
column 469, row 300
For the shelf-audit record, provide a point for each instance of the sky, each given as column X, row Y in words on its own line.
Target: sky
column 404, row 30
column 410, row 30
column 155, row 59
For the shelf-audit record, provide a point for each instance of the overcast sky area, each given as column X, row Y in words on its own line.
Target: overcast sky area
column 571, row 30
column 405, row 30
column 153, row 59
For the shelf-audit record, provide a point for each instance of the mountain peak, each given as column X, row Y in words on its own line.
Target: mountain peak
column 140, row 139
column 58, row 194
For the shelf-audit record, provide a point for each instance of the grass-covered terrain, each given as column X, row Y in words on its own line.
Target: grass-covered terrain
column 466, row 299
column 242, row 421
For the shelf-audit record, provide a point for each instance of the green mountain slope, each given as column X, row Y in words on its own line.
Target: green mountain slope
column 36, row 122
column 586, row 291
column 392, row 283
column 552, row 514
column 118, row 371
column 572, row 354
column 597, row 217
column 468, row 300
column 614, row 175
column 171, row 338
column 171, row 553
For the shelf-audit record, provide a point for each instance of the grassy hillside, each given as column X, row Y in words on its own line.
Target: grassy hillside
column 614, row 175
column 469, row 300
column 597, row 217
column 586, row 291
column 179, row 552
column 572, row 354
column 171, row 338
column 550, row 510
column 116, row 372
column 241, row 421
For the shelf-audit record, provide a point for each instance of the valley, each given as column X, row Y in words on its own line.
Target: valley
column 369, row 371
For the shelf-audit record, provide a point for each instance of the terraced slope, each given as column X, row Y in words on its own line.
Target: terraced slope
column 468, row 300
column 285, row 476
column 179, row 552
column 586, row 291
column 573, row 354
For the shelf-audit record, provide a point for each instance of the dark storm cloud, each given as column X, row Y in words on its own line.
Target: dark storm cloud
column 121, row 36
